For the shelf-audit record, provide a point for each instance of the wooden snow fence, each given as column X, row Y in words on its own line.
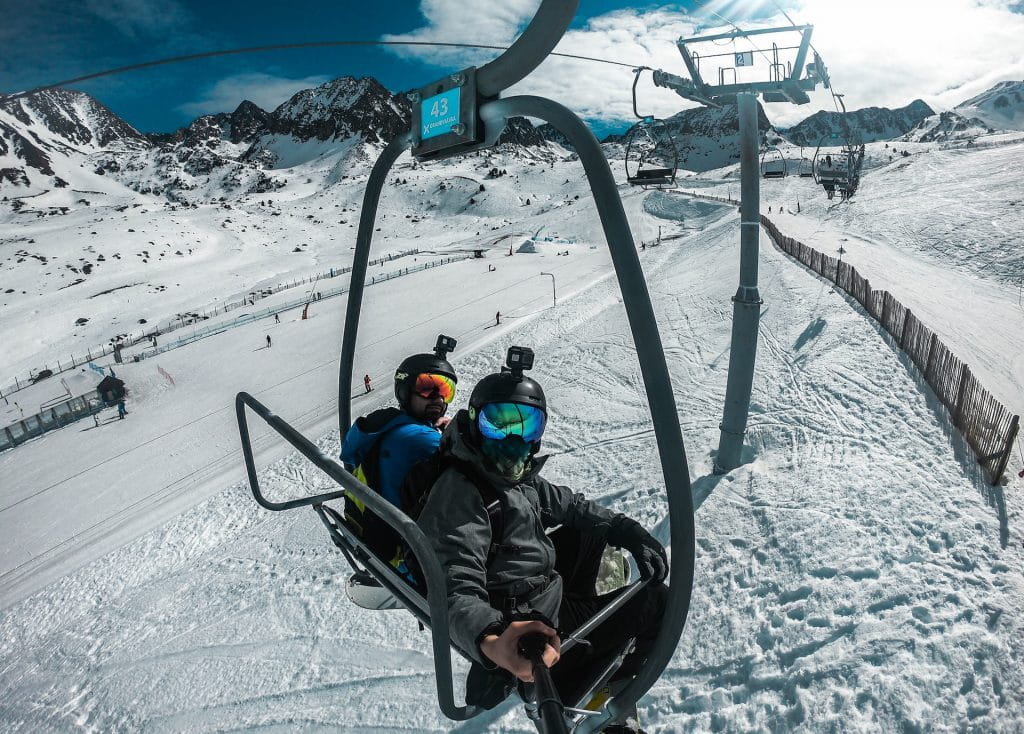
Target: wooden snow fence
column 987, row 425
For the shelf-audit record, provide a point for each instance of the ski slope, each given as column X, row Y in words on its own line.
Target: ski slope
column 855, row 574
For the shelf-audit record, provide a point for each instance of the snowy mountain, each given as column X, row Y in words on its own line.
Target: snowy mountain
column 46, row 139
column 869, row 124
column 45, row 134
column 946, row 126
column 1001, row 107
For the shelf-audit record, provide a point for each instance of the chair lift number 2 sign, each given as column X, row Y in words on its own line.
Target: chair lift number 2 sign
column 440, row 113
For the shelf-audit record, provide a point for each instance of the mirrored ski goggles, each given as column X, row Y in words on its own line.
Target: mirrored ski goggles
column 501, row 420
column 430, row 385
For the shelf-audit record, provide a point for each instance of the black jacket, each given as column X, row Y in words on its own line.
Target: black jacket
column 455, row 521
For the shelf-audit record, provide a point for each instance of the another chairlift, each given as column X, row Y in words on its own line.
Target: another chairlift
column 480, row 116
column 773, row 163
column 652, row 158
column 839, row 169
column 806, row 167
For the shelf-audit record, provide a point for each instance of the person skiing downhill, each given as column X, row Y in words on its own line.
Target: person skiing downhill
column 380, row 448
column 532, row 582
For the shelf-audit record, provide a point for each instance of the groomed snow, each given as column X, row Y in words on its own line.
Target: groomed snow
column 856, row 573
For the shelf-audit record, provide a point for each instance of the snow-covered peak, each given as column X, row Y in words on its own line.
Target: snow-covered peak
column 1001, row 107
column 73, row 117
column 868, row 124
column 341, row 108
column 946, row 126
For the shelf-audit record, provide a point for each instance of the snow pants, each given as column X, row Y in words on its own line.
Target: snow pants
column 578, row 560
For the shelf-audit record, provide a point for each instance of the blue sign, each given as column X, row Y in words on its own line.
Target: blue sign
column 440, row 113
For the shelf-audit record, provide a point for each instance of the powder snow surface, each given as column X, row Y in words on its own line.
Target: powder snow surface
column 855, row 573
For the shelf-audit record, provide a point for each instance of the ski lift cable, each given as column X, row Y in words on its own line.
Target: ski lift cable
column 738, row 29
column 283, row 47
column 792, row 22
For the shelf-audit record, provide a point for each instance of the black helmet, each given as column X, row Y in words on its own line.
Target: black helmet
column 418, row 364
column 508, row 386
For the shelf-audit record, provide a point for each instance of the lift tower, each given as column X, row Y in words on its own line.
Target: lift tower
column 739, row 75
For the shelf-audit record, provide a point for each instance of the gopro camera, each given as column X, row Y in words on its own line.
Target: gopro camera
column 519, row 359
column 444, row 345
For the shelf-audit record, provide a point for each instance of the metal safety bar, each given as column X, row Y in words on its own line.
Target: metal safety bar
column 436, row 603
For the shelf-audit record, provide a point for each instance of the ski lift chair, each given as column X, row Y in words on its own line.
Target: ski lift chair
column 430, row 609
column 773, row 163
column 480, row 104
column 649, row 143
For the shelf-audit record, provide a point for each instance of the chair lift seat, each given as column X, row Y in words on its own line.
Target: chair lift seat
column 653, row 177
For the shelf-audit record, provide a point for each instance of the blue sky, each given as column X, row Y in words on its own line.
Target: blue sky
column 878, row 52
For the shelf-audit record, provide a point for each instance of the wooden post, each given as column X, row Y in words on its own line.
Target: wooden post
column 961, row 393
column 886, row 296
column 903, row 331
column 1011, row 435
column 928, row 360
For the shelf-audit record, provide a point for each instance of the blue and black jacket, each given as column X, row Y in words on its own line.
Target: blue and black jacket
column 380, row 449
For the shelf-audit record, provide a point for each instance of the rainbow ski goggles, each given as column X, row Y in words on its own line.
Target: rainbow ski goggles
column 429, row 385
column 498, row 421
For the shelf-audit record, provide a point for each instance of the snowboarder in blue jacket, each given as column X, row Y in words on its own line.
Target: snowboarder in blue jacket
column 380, row 448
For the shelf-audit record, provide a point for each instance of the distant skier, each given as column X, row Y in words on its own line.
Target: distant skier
column 268, row 341
column 497, row 318
column 366, row 383
column 121, row 412
column 277, row 319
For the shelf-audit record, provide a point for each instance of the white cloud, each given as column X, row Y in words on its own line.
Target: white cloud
column 263, row 89
column 878, row 52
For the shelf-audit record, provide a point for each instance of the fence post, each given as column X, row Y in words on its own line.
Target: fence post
column 886, row 295
column 928, row 362
column 903, row 331
column 961, row 393
column 1010, row 436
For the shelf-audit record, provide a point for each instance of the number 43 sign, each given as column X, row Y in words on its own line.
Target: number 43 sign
column 440, row 113
column 444, row 116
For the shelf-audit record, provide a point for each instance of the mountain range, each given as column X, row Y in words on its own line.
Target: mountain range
column 57, row 135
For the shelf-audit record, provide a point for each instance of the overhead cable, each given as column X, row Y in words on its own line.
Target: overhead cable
column 286, row 46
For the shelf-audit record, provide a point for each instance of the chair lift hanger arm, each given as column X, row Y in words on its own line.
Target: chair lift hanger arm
column 529, row 50
column 654, row 370
column 360, row 260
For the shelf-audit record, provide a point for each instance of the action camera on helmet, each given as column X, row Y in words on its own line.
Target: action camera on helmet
column 519, row 359
column 444, row 345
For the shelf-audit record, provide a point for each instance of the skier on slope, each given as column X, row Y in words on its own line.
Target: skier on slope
column 532, row 582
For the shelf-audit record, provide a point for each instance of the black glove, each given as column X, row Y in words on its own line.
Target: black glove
column 625, row 532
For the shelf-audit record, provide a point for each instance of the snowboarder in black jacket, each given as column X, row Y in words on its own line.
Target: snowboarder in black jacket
column 530, row 581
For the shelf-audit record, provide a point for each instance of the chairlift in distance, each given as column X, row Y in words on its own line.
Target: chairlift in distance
column 652, row 158
column 838, row 168
column 806, row 167
column 773, row 163
column 472, row 119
